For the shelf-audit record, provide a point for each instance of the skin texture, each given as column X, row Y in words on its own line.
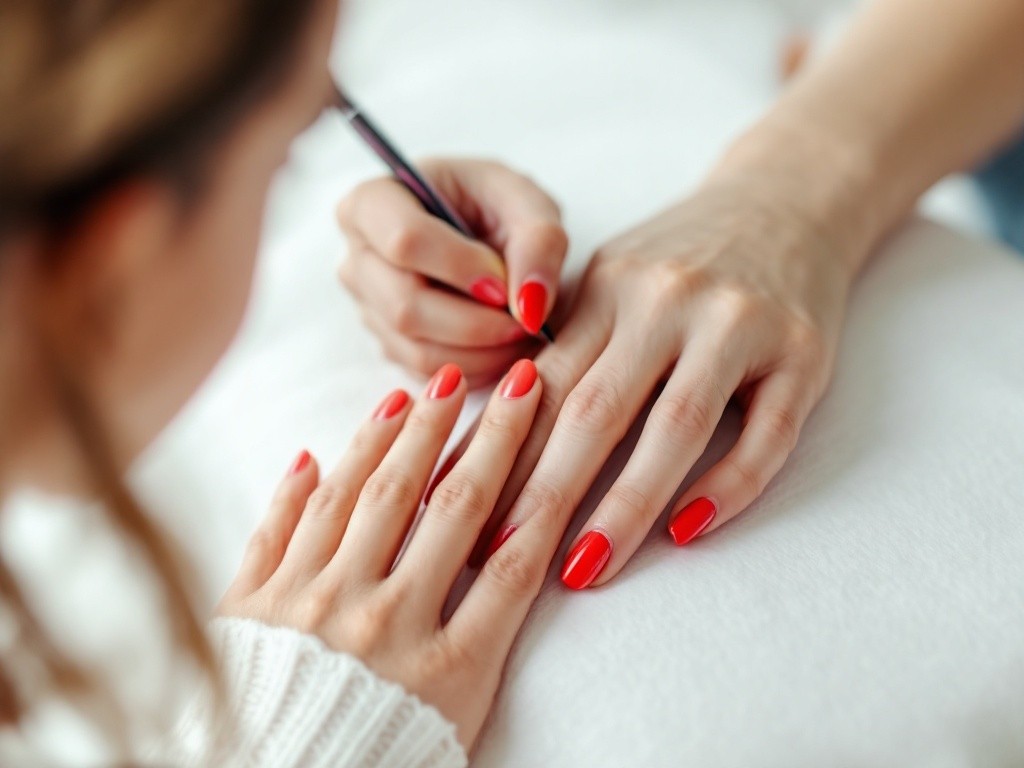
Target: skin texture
column 739, row 291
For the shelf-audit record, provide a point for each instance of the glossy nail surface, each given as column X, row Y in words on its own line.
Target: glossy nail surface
column 491, row 291
column 694, row 518
column 586, row 560
column 499, row 538
column 300, row 463
column 391, row 405
column 519, row 380
column 532, row 304
column 445, row 382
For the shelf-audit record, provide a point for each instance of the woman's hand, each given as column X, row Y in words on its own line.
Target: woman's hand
column 324, row 559
column 729, row 293
column 432, row 295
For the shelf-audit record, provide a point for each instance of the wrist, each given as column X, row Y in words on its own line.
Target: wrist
column 822, row 180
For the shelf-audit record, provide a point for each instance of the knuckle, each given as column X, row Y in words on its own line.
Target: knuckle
column 266, row 545
column 346, row 273
column 514, row 573
column 688, row 415
column 344, row 211
column 595, row 407
column 368, row 626
column 808, row 343
column 549, row 237
column 389, row 488
column 750, row 480
column 737, row 307
column 674, row 282
column 499, row 427
column 631, row 504
column 781, row 425
column 330, row 501
column 313, row 608
column 547, row 503
column 404, row 315
column 460, row 499
column 436, row 664
column 610, row 265
column 406, row 245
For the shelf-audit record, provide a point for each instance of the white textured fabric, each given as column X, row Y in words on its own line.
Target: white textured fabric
column 297, row 703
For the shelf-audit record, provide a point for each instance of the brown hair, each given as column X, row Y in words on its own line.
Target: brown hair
column 93, row 92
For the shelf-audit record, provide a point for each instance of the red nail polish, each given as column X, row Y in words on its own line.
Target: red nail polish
column 300, row 463
column 445, row 382
column 519, row 380
column 694, row 518
column 587, row 560
column 532, row 304
column 442, row 473
column 500, row 538
column 391, row 405
column 490, row 290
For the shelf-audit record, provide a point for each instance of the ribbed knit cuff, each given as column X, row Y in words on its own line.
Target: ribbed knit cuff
column 295, row 702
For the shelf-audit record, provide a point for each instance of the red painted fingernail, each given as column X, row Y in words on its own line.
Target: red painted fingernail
column 391, row 405
column 532, row 304
column 499, row 538
column 442, row 473
column 300, row 463
column 444, row 382
column 490, row 290
column 587, row 560
column 694, row 518
column 519, row 380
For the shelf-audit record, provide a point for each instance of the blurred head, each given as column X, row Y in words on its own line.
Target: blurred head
column 137, row 144
column 138, row 141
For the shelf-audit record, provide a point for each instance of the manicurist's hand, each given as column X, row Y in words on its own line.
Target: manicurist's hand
column 324, row 559
column 432, row 295
column 727, row 294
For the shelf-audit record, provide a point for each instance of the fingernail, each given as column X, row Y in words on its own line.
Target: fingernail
column 694, row 518
column 587, row 560
column 499, row 538
column 519, row 380
column 442, row 473
column 391, row 405
column 490, row 290
column 532, row 304
column 444, row 382
column 300, row 463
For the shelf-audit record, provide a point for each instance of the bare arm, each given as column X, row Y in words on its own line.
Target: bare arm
column 915, row 90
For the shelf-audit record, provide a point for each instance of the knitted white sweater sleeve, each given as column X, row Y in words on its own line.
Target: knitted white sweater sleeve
column 297, row 703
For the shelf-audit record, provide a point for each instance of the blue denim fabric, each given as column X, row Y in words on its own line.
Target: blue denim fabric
column 1002, row 183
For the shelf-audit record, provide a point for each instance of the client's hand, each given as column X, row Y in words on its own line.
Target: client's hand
column 324, row 559
column 434, row 296
column 730, row 293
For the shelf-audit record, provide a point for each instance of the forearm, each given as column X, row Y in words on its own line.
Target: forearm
column 915, row 90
